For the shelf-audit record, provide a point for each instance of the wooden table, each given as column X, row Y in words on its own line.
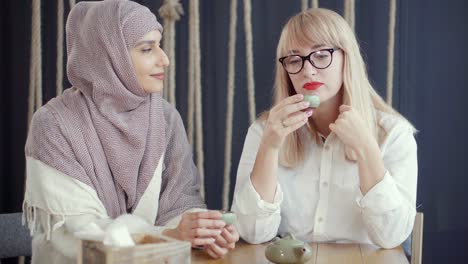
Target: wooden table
column 323, row 254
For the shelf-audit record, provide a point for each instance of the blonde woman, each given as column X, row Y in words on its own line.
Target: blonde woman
column 345, row 171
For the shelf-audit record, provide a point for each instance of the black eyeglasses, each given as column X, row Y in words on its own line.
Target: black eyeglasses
column 320, row 59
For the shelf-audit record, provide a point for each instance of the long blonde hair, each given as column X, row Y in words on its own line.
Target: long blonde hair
column 323, row 26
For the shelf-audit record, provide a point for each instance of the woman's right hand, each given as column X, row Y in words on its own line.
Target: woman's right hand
column 198, row 228
column 224, row 242
column 284, row 118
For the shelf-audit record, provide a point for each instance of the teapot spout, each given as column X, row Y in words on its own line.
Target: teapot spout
column 303, row 253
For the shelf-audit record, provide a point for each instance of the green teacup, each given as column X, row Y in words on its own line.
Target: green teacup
column 314, row 100
column 228, row 217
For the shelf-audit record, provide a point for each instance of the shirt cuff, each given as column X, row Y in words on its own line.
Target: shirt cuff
column 253, row 204
column 381, row 198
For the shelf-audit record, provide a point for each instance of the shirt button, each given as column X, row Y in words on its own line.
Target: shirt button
column 320, row 219
column 327, row 148
column 325, row 184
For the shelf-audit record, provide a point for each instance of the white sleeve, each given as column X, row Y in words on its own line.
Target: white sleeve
column 389, row 208
column 257, row 220
column 55, row 207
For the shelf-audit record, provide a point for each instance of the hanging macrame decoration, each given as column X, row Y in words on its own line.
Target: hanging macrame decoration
column 35, row 66
column 349, row 12
column 230, row 101
column 231, row 86
column 59, row 64
column 305, row 4
column 194, row 89
column 249, row 59
column 391, row 50
column 170, row 12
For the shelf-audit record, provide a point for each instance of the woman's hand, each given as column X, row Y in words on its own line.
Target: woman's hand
column 199, row 228
column 352, row 130
column 224, row 242
column 354, row 133
column 285, row 118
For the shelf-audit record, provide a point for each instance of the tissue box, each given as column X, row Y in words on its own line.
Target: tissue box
column 147, row 249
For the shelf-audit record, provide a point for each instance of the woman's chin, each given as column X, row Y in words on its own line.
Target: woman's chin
column 154, row 89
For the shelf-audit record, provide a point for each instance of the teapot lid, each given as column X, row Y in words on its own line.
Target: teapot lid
column 289, row 241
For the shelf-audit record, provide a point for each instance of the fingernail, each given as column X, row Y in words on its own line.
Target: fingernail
column 305, row 104
column 309, row 112
column 300, row 96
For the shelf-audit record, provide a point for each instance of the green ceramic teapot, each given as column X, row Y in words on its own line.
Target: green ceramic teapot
column 288, row 250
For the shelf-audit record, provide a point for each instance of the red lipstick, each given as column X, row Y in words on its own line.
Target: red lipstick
column 312, row 85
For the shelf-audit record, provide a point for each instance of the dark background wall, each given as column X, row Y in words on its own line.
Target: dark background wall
column 429, row 89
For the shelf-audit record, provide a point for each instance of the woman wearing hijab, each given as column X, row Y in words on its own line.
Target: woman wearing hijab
column 110, row 145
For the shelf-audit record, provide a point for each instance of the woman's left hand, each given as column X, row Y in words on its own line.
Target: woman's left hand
column 351, row 129
column 224, row 242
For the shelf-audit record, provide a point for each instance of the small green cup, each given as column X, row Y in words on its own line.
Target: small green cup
column 228, row 217
column 314, row 100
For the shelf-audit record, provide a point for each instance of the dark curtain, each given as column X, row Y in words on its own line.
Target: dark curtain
column 429, row 89
column 15, row 19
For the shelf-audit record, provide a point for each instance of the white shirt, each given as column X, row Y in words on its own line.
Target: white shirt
column 320, row 200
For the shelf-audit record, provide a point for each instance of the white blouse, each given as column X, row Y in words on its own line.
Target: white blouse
column 320, row 200
column 57, row 205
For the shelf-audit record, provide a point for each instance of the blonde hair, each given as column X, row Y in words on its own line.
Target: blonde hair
column 322, row 26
